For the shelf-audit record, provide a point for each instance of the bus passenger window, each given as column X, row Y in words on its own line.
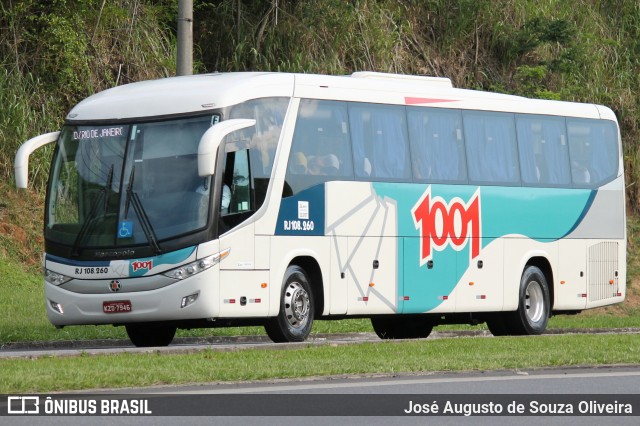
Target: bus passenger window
column 593, row 148
column 321, row 147
column 492, row 152
column 325, row 165
column 544, row 153
column 263, row 139
column 379, row 136
column 298, row 164
column 437, row 146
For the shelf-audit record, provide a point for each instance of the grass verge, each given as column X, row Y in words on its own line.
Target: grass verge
column 134, row 370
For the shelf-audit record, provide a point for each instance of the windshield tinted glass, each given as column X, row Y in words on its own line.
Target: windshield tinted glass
column 99, row 169
column 85, row 179
column 162, row 172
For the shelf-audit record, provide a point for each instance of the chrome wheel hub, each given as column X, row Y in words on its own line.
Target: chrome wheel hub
column 534, row 302
column 296, row 305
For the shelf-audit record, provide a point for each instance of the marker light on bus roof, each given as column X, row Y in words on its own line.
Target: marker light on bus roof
column 193, row 268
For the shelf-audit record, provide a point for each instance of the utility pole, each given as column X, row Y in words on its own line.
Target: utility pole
column 184, row 64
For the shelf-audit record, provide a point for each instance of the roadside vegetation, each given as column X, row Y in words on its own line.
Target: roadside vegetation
column 55, row 53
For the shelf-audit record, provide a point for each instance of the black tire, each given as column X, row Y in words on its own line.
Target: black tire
column 534, row 306
column 295, row 319
column 498, row 324
column 399, row 327
column 145, row 335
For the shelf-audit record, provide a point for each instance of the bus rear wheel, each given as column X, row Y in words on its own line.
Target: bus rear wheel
column 145, row 335
column 295, row 319
column 398, row 327
column 534, row 304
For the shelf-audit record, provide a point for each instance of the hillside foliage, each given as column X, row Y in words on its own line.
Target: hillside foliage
column 56, row 52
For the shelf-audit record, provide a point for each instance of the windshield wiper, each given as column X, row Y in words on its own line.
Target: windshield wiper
column 132, row 197
column 107, row 189
column 91, row 217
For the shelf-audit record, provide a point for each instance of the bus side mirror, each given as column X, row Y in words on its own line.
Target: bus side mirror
column 21, row 164
column 211, row 140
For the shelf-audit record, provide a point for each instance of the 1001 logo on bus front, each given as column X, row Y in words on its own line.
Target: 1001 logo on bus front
column 142, row 264
column 443, row 224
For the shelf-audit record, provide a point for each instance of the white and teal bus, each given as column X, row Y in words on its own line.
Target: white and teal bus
column 278, row 199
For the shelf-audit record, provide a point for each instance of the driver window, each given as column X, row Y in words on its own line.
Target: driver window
column 236, row 191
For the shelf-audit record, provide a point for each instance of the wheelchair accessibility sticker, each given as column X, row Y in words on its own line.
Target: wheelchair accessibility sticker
column 125, row 229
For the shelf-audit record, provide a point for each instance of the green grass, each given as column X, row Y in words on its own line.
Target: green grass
column 149, row 369
column 588, row 320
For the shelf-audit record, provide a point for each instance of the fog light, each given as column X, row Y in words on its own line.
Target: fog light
column 56, row 307
column 188, row 300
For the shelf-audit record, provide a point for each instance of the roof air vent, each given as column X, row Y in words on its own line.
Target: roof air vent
column 418, row 79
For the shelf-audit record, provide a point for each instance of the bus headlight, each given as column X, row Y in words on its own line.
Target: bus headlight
column 193, row 268
column 55, row 278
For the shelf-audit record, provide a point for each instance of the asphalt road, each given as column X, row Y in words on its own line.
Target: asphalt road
column 534, row 389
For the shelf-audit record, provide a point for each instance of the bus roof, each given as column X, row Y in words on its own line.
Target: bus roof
column 180, row 95
column 189, row 94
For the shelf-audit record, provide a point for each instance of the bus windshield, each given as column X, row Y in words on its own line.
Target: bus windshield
column 125, row 185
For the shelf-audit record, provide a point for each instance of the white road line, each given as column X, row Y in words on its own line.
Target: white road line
column 311, row 386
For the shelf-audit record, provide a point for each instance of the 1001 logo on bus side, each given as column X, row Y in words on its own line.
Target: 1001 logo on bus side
column 443, row 224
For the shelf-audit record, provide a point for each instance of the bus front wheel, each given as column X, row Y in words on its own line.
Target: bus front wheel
column 295, row 319
column 145, row 335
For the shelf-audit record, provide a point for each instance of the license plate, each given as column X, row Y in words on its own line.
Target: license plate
column 116, row 307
